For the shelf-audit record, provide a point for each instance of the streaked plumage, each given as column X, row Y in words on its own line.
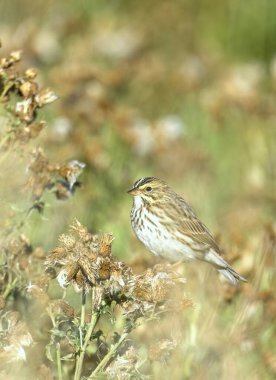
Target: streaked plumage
column 169, row 227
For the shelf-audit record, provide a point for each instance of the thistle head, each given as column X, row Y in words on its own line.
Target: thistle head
column 149, row 189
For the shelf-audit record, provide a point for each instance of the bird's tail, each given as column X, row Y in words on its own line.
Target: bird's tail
column 224, row 268
column 231, row 275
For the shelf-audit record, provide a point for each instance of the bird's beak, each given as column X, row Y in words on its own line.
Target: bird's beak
column 134, row 191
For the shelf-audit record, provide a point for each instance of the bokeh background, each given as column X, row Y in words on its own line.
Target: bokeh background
column 185, row 91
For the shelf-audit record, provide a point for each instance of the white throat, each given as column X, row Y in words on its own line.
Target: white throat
column 138, row 201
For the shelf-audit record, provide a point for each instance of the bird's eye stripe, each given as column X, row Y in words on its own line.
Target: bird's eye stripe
column 137, row 183
column 143, row 181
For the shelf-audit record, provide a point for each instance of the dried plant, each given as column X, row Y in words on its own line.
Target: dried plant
column 21, row 264
column 114, row 300
column 124, row 108
column 15, row 336
column 23, row 98
column 60, row 179
column 85, row 261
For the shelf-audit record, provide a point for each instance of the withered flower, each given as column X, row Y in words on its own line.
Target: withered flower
column 60, row 179
column 16, row 55
column 28, row 89
column 45, row 96
column 125, row 367
column 161, row 350
column 155, row 285
column 61, row 308
column 25, row 110
column 84, row 259
column 29, row 98
column 39, row 170
column 71, row 171
column 18, row 247
column 33, row 99
column 37, row 293
column 31, row 73
column 14, row 339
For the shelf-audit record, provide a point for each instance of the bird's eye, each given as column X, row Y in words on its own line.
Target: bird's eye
column 148, row 188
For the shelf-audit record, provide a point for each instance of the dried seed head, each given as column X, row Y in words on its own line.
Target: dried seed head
column 71, row 171
column 105, row 244
column 14, row 339
column 85, row 258
column 31, row 73
column 45, row 96
column 124, row 366
column 71, row 270
column 153, row 287
column 120, row 276
column 104, row 270
column 16, row 55
column 161, row 350
column 80, row 282
column 28, row 89
column 18, row 247
column 25, row 110
column 81, row 231
column 62, row 308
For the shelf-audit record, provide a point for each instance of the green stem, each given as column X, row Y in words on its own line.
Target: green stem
column 82, row 319
column 92, row 324
column 81, row 326
column 9, row 287
column 6, row 90
column 112, row 352
column 59, row 362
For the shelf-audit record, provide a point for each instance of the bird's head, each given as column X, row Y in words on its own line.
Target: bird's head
column 149, row 189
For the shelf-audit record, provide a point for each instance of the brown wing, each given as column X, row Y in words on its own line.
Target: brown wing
column 193, row 227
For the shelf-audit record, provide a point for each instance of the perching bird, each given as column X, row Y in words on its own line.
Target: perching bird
column 168, row 227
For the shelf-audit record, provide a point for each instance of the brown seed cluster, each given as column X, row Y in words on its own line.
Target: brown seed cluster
column 17, row 258
column 61, row 308
column 61, row 179
column 85, row 260
column 20, row 267
column 29, row 98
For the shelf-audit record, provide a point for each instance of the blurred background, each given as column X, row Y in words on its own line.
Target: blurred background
column 184, row 91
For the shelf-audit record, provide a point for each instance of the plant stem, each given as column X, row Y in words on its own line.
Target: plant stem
column 82, row 318
column 81, row 326
column 9, row 287
column 92, row 324
column 108, row 356
column 59, row 362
